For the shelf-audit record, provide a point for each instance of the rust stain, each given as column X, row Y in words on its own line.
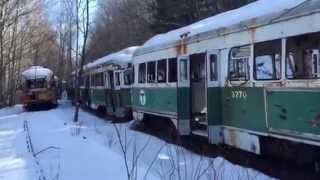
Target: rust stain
column 181, row 48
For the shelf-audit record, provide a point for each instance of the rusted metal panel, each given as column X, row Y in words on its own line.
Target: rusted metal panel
column 241, row 140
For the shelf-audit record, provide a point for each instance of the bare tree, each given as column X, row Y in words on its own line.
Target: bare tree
column 84, row 14
column 21, row 36
column 132, row 152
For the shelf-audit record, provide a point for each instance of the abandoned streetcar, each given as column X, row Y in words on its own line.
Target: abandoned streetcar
column 39, row 87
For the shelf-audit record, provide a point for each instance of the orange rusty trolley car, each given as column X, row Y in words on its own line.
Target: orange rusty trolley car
column 39, row 87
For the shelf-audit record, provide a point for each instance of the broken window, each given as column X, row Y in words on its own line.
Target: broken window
column 302, row 57
column 213, row 67
column 184, row 70
column 239, row 63
column 173, row 70
column 142, row 73
column 151, row 76
column 267, row 60
column 162, row 71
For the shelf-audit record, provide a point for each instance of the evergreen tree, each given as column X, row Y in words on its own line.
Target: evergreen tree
column 172, row 14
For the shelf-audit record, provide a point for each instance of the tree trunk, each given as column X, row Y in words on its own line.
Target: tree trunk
column 83, row 56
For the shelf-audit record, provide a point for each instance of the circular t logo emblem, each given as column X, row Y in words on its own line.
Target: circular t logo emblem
column 142, row 97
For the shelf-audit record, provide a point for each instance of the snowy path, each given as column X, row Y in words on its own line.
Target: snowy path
column 14, row 155
column 95, row 152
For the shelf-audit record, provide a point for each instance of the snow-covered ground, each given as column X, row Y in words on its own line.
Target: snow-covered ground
column 92, row 150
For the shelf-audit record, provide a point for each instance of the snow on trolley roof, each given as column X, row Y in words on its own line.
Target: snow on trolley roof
column 37, row 72
column 121, row 58
column 258, row 9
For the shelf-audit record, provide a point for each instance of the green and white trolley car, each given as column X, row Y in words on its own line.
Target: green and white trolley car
column 106, row 84
column 239, row 78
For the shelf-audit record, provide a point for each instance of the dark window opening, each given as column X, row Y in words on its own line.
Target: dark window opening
column 87, row 81
column 82, row 81
column 239, row 63
column 98, row 79
column 267, row 60
column 198, row 67
column 302, row 58
column 92, row 80
column 173, row 70
column 151, row 76
column 142, row 73
column 133, row 74
column 111, row 80
column 117, row 78
column 36, row 83
column 162, row 71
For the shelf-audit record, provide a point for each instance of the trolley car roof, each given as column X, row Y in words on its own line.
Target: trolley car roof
column 255, row 14
column 37, row 72
column 121, row 58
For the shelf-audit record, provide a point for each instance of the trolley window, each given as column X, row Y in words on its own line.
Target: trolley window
column 87, row 80
column 151, row 76
column 173, row 70
column 36, row 83
column 82, row 81
column 92, row 80
column 107, row 80
column 239, row 63
column 267, row 60
column 162, row 71
column 117, row 78
column 184, row 70
column 142, row 73
column 302, row 57
column 99, row 79
column 213, row 67
column 127, row 75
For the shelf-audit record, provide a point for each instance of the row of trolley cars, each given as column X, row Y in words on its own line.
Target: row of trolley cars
column 252, row 83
